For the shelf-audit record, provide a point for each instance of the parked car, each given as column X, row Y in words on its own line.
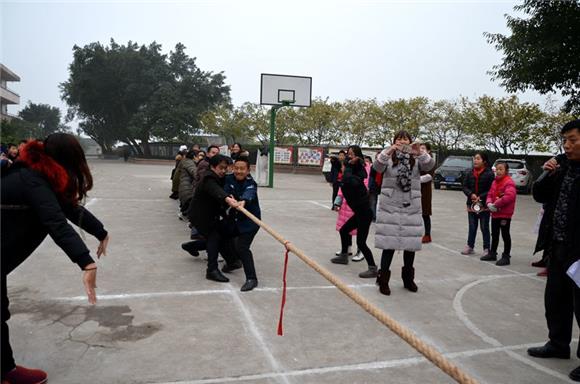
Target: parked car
column 452, row 172
column 520, row 173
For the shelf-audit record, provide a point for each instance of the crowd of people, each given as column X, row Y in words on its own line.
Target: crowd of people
column 44, row 184
column 210, row 188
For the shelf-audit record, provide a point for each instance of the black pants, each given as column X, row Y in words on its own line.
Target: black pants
column 502, row 225
column 184, row 206
column 361, row 221
column 7, row 356
column 561, row 298
column 427, row 223
column 387, row 258
column 335, row 187
column 217, row 243
column 241, row 249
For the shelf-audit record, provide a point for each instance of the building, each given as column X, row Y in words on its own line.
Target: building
column 7, row 96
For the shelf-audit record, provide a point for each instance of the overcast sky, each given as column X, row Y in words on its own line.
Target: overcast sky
column 351, row 49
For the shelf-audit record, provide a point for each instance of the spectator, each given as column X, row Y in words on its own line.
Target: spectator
column 501, row 201
column 476, row 185
column 374, row 184
column 558, row 188
column 336, row 173
column 39, row 193
column 426, row 195
column 188, row 171
column 399, row 225
column 175, row 173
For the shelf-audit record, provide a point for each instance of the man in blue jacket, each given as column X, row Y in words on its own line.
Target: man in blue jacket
column 243, row 188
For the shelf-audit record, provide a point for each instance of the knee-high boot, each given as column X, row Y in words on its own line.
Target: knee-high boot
column 408, row 275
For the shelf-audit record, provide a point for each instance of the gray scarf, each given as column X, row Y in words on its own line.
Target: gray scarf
column 404, row 172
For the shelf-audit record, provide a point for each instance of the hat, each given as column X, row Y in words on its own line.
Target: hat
column 183, row 148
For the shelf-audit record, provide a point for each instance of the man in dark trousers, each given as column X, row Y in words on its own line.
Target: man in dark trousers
column 559, row 189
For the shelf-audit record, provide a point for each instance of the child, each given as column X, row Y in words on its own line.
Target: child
column 501, row 201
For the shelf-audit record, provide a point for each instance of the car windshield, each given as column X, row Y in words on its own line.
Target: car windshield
column 457, row 162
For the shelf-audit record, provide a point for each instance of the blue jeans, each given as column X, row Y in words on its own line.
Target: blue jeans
column 474, row 219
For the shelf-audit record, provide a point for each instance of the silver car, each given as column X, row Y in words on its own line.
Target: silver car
column 520, row 174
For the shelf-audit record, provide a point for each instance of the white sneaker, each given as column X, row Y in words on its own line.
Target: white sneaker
column 358, row 256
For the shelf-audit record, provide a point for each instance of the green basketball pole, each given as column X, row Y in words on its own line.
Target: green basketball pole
column 273, row 111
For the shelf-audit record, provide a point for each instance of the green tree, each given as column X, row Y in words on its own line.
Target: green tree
column 445, row 127
column 316, row 125
column 503, row 125
column 231, row 123
column 44, row 118
column 397, row 115
column 134, row 93
column 542, row 51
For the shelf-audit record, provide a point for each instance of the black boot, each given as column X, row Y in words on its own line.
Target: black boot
column 408, row 275
column 505, row 260
column 191, row 247
column 575, row 374
column 216, row 275
column 383, row 282
column 548, row 351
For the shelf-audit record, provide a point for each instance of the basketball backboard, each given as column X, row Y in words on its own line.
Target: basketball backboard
column 277, row 89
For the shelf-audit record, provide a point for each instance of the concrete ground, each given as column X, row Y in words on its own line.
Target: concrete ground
column 158, row 320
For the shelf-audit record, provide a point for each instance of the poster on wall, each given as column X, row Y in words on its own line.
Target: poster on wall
column 283, row 155
column 310, row 156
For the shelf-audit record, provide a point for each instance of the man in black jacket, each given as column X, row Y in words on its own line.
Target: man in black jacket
column 207, row 211
column 559, row 189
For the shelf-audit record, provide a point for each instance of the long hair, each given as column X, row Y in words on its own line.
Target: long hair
column 65, row 149
column 402, row 135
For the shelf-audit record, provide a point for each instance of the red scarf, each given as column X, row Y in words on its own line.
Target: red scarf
column 476, row 174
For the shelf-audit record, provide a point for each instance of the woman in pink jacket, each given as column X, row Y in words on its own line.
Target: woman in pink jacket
column 501, row 201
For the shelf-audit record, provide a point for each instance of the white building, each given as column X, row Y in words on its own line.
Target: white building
column 7, row 96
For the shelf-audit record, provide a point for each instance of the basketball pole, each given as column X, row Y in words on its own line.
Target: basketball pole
column 273, row 111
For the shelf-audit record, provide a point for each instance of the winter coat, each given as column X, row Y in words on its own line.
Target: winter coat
column 202, row 168
column 208, row 205
column 334, row 170
column 482, row 187
column 399, row 224
column 427, row 193
column 175, row 173
column 188, row 171
column 546, row 190
column 502, row 194
column 247, row 191
column 33, row 207
column 344, row 214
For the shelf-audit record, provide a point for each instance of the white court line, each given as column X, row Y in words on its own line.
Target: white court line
column 319, row 204
column 251, row 326
column 152, row 295
column 528, row 275
column 458, row 307
column 355, row 367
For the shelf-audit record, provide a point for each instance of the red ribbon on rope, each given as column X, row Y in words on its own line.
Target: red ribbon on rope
column 280, row 328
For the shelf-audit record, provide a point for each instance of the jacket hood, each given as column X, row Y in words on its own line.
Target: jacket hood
column 32, row 155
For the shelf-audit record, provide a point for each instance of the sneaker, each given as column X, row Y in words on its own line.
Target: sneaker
column 467, row 251
column 358, row 256
column 21, row 375
column 426, row 239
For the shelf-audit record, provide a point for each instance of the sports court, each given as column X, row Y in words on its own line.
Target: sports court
column 158, row 320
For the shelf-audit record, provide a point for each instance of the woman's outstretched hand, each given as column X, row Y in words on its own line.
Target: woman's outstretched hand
column 102, row 249
column 90, row 282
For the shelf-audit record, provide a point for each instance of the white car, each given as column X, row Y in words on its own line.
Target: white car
column 520, row 174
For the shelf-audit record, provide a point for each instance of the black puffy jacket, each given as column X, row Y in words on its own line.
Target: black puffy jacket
column 31, row 211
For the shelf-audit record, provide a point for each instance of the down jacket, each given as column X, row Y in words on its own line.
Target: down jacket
column 187, row 174
column 399, row 223
column 503, row 195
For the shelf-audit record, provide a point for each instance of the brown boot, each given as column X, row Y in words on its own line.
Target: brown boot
column 383, row 282
column 408, row 275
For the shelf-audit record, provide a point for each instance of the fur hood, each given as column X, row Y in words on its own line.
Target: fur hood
column 32, row 155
